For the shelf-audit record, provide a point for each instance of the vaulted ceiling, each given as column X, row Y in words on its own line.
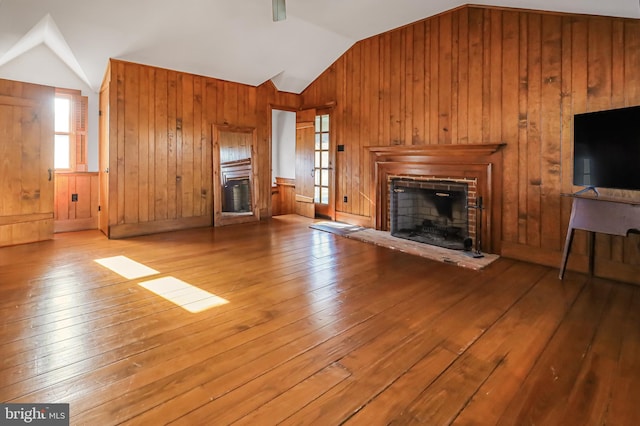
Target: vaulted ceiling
column 234, row 40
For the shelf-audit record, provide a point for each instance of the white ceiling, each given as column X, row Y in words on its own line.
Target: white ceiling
column 233, row 40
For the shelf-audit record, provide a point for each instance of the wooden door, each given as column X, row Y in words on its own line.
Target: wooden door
column 305, row 168
column 26, row 163
column 103, row 124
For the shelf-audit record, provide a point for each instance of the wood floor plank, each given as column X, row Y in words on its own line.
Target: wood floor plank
column 545, row 391
column 317, row 329
column 143, row 306
column 109, row 314
column 376, row 376
column 252, row 322
column 277, row 347
column 285, row 404
column 400, row 316
column 588, row 401
column 517, row 340
column 491, row 348
column 622, row 406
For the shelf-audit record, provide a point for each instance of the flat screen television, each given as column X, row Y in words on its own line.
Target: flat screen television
column 606, row 149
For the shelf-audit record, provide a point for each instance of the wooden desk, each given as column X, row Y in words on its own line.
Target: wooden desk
column 599, row 214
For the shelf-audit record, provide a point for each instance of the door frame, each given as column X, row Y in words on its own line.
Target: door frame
column 103, row 161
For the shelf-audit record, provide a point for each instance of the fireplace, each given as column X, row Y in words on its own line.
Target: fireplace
column 430, row 211
column 479, row 166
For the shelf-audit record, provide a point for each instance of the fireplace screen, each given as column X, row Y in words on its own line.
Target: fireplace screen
column 431, row 212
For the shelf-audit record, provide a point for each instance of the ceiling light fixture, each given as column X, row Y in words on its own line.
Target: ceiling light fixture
column 279, row 10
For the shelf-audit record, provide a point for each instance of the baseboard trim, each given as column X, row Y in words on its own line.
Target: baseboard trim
column 135, row 229
column 75, row 225
column 354, row 219
column 603, row 268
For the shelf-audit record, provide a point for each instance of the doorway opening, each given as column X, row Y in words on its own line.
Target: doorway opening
column 302, row 163
column 283, row 162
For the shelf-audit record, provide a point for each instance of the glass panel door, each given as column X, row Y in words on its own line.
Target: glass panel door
column 322, row 163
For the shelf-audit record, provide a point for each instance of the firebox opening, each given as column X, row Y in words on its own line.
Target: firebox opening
column 431, row 212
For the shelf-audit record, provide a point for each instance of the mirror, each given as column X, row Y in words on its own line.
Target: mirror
column 235, row 171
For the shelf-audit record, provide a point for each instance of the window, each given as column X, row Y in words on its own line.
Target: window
column 322, row 166
column 70, row 126
column 62, row 142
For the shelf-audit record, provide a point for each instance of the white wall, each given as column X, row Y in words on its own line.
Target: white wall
column 41, row 66
column 283, row 144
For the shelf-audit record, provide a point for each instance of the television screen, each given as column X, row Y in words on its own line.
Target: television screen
column 606, row 150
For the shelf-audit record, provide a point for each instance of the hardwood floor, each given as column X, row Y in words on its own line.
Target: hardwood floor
column 318, row 329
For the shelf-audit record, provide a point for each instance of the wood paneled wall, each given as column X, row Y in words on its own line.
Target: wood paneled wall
column 76, row 215
column 283, row 196
column 483, row 75
column 160, row 159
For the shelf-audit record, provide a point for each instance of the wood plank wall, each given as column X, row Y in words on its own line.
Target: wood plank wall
column 483, row 75
column 160, row 159
column 76, row 215
column 283, row 196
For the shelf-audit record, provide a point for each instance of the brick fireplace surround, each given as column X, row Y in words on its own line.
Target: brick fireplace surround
column 479, row 162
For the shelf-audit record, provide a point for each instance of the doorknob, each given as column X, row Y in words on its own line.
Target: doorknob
column 313, row 173
column 50, row 174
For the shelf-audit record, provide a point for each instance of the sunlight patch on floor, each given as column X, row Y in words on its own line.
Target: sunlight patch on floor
column 183, row 294
column 126, row 267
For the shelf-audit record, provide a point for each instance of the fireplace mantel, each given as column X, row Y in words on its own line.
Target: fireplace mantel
column 481, row 149
column 478, row 161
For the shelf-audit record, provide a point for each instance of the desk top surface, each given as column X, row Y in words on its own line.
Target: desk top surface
column 603, row 198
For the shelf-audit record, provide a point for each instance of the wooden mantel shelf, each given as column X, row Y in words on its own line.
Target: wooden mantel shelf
column 480, row 149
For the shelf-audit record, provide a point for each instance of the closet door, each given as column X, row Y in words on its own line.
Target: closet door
column 26, row 163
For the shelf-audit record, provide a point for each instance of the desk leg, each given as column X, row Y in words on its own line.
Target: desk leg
column 592, row 250
column 565, row 253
